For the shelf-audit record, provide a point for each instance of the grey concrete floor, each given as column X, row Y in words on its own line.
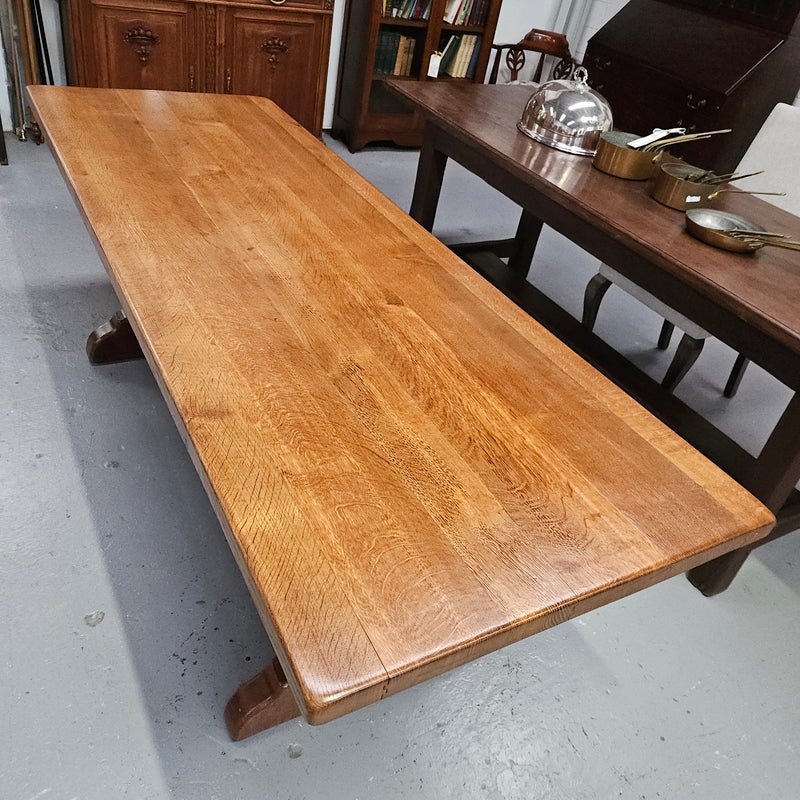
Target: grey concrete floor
column 126, row 625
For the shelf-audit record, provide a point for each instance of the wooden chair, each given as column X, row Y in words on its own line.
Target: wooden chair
column 546, row 43
column 776, row 150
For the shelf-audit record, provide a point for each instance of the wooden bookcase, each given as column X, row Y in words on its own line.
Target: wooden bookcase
column 365, row 110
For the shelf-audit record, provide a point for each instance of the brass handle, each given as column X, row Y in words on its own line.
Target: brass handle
column 191, row 78
column 228, row 80
column 277, row 2
column 695, row 104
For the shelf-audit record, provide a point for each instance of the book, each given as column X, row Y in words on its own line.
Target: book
column 449, row 52
column 463, row 12
column 450, row 10
column 397, row 68
column 479, row 12
column 386, row 52
column 409, row 55
column 449, row 67
column 473, row 62
column 453, row 65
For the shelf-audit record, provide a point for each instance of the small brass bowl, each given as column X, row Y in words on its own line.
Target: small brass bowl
column 673, row 186
column 614, row 158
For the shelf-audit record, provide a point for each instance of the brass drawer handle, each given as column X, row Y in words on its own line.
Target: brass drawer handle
column 695, row 104
column 277, row 2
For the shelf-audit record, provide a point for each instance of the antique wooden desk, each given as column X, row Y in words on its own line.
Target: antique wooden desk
column 752, row 302
column 410, row 471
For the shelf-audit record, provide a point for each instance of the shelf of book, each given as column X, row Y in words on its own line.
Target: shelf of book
column 412, row 40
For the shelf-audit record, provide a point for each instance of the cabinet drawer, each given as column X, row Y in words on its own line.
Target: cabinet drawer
column 636, row 91
column 133, row 45
column 280, row 54
column 324, row 5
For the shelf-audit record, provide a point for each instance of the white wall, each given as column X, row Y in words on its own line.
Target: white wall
column 517, row 17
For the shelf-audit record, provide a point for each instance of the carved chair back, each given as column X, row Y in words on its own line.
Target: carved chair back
column 546, row 43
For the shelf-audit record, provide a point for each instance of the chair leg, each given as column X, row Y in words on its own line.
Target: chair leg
column 592, row 297
column 665, row 335
column 735, row 378
column 686, row 354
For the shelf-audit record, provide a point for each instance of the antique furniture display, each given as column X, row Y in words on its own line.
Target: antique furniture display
column 365, row 111
column 396, row 453
column 273, row 49
column 751, row 302
column 775, row 153
column 700, row 64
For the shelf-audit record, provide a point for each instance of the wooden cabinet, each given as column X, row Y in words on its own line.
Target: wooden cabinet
column 273, row 49
column 142, row 44
column 700, row 64
column 264, row 48
column 365, row 111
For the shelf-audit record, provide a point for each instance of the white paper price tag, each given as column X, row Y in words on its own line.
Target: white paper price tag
column 433, row 65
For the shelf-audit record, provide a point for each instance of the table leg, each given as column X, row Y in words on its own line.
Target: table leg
column 775, row 473
column 528, row 232
column 261, row 703
column 113, row 341
column 428, row 184
column 3, row 153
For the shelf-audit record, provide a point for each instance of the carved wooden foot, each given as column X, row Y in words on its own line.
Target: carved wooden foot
column 113, row 341
column 261, row 703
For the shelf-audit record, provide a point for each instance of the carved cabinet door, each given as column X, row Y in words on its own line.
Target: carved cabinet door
column 139, row 44
column 277, row 54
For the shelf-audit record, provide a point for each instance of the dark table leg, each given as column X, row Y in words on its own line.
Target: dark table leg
column 773, row 477
column 261, row 703
column 113, row 341
column 428, row 185
column 527, row 237
column 3, row 153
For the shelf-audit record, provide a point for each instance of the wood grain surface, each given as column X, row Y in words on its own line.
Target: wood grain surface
column 410, row 471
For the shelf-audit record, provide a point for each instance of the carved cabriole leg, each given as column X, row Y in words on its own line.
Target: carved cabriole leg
column 261, row 703
column 113, row 341
column 686, row 354
column 592, row 297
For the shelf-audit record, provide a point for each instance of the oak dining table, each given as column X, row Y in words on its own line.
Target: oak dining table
column 749, row 301
column 410, row 471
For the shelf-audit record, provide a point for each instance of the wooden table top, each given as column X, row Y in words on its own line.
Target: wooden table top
column 410, row 471
column 762, row 289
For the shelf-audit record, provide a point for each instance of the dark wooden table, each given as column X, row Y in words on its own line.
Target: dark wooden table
column 751, row 302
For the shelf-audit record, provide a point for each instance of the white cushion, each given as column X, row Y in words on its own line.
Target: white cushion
column 669, row 314
column 776, row 150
